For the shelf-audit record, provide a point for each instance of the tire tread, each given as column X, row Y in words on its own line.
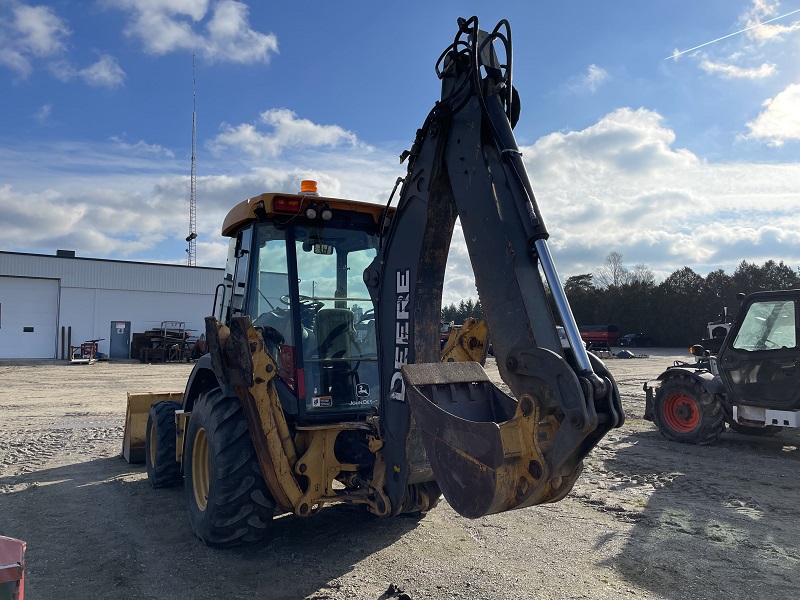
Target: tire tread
column 240, row 507
column 712, row 417
column 167, row 470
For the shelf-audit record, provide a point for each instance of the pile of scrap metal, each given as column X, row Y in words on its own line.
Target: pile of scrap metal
column 86, row 353
column 171, row 341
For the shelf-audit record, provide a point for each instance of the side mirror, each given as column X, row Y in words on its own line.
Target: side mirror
column 697, row 350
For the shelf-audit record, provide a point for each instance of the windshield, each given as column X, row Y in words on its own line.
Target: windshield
column 335, row 338
column 767, row 326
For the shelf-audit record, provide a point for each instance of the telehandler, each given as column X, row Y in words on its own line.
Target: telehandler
column 323, row 382
column 752, row 382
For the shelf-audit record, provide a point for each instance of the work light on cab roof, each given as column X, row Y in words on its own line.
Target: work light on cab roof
column 308, row 187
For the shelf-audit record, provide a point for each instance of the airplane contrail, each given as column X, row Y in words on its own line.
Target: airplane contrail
column 677, row 54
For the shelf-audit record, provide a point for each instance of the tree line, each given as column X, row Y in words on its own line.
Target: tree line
column 465, row 309
column 673, row 313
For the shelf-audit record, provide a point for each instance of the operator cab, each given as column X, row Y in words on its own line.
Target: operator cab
column 759, row 357
column 296, row 269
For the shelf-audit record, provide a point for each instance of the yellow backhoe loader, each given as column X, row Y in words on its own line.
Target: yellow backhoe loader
column 324, row 381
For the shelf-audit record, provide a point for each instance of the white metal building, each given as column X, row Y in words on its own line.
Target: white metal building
column 45, row 300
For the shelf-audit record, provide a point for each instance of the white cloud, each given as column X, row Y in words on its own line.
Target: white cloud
column 735, row 72
column 779, row 122
column 143, row 147
column 132, row 197
column 764, row 10
column 28, row 33
column 43, row 114
column 77, row 222
column 103, row 73
column 286, row 131
column 230, row 38
column 165, row 26
column 755, row 24
column 631, row 140
column 589, row 81
column 620, row 184
column 41, row 31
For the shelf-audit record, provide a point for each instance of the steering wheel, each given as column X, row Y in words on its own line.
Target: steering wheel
column 305, row 302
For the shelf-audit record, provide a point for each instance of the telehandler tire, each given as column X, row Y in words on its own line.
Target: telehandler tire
column 162, row 468
column 685, row 411
column 228, row 500
column 754, row 429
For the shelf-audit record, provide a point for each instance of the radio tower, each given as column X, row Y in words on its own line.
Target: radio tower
column 192, row 237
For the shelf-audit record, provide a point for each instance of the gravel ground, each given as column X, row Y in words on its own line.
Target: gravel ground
column 648, row 518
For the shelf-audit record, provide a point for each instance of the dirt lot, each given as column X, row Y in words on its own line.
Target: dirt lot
column 648, row 519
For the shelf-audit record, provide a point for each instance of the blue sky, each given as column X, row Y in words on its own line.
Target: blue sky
column 686, row 161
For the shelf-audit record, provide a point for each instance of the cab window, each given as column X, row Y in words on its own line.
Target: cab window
column 767, row 326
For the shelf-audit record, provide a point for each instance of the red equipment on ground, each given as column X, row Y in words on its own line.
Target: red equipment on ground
column 12, row 569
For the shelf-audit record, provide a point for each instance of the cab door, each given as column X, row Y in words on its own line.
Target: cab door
column 759, row 359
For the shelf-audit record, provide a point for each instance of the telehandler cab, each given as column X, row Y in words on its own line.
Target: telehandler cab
column 323, row 382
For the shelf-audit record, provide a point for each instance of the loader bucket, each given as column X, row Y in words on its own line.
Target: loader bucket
column 133, row 441
column 482, row 445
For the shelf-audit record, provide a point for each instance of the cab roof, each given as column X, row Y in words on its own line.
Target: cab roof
column 276, row 205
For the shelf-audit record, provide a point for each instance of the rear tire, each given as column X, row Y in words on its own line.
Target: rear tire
column 685, row 411
column 163, row 470
column 421, row 498
column 228, row 501
column 754, row 429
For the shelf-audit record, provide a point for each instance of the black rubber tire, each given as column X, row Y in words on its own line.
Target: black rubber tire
column 755, row 430
column 684, row 411
column 238, row 508
column 162, row 468
column 430, row 488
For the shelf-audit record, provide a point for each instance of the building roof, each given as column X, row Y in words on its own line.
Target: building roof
column 99, row 273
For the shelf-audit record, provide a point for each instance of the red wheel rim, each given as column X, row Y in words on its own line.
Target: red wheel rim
column 681, row 413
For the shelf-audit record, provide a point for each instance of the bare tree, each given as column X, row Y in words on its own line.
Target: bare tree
column 642, row 275
column 613, row 272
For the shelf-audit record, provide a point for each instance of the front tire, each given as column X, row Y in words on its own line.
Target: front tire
column 163, row 470
column 685, row 411
column 228, row 501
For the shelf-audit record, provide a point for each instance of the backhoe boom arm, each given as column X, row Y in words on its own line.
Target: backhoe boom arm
column 465, row 163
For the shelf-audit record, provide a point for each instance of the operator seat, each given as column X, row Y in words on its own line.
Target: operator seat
column 334, row 330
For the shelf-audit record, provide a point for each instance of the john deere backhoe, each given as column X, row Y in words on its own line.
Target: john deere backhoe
column 323, row 382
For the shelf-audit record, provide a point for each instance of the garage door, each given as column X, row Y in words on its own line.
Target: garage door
column 28, row 317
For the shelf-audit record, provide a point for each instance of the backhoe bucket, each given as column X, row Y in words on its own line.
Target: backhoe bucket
column 133, row 441
column 482, row 445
